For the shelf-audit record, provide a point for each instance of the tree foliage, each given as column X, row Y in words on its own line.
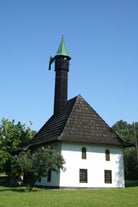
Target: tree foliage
column 131, row 165
column 12, row 137
column 37, row 164
column 127, row 132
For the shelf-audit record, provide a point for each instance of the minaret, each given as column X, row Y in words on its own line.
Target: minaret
column 61, row 77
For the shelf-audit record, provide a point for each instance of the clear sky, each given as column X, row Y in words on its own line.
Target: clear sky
column 102, row 39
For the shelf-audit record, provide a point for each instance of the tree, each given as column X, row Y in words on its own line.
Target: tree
column 37, row 164
column 124, row 130
column 12, row 137
column 130, row 163
column 127, row 133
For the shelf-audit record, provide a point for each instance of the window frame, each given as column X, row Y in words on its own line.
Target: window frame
column 83, row 175
column 108, row 176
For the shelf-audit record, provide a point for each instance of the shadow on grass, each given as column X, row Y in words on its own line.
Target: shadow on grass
column 12, row 189
column 7, row 184
column 18, row 189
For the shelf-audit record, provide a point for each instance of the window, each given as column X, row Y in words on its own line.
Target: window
column 39, row 180
column 107, row 155
column 49, row 176
column 108, row 176
column 83, row 175
column 83, row 150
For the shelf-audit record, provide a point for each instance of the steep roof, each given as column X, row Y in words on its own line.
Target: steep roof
column 79, row 122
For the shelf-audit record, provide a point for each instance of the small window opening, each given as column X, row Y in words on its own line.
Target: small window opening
column 107, row 155
column 83, row 153
column 49, row 176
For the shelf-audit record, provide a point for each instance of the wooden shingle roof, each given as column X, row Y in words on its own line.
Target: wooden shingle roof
column 79, row 123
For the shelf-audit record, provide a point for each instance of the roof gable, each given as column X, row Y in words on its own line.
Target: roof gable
column 79, row 122
column 85, row 125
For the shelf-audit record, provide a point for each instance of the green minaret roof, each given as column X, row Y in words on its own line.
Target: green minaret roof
column 62, row 50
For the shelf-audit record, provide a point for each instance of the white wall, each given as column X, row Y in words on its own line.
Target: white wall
column 95, row 165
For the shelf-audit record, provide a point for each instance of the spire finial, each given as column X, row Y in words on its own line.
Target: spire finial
column 62, row 50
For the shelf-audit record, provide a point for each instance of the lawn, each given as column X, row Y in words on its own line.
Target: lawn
column 19, row 197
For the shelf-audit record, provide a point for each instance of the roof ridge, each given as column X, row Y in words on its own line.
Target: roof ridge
column 67, row 120
column 76, row 98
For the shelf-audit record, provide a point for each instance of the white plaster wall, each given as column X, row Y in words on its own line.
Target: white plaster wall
column 95, row 165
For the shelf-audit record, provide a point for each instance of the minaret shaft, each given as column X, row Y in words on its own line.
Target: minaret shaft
column 61, row 60
column 61, row 83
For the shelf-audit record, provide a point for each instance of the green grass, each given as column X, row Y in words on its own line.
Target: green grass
column 19, row 197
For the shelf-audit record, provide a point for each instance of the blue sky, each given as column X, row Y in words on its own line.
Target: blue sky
column 101, row 37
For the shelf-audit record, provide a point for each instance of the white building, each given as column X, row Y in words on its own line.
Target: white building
column 92, row 151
